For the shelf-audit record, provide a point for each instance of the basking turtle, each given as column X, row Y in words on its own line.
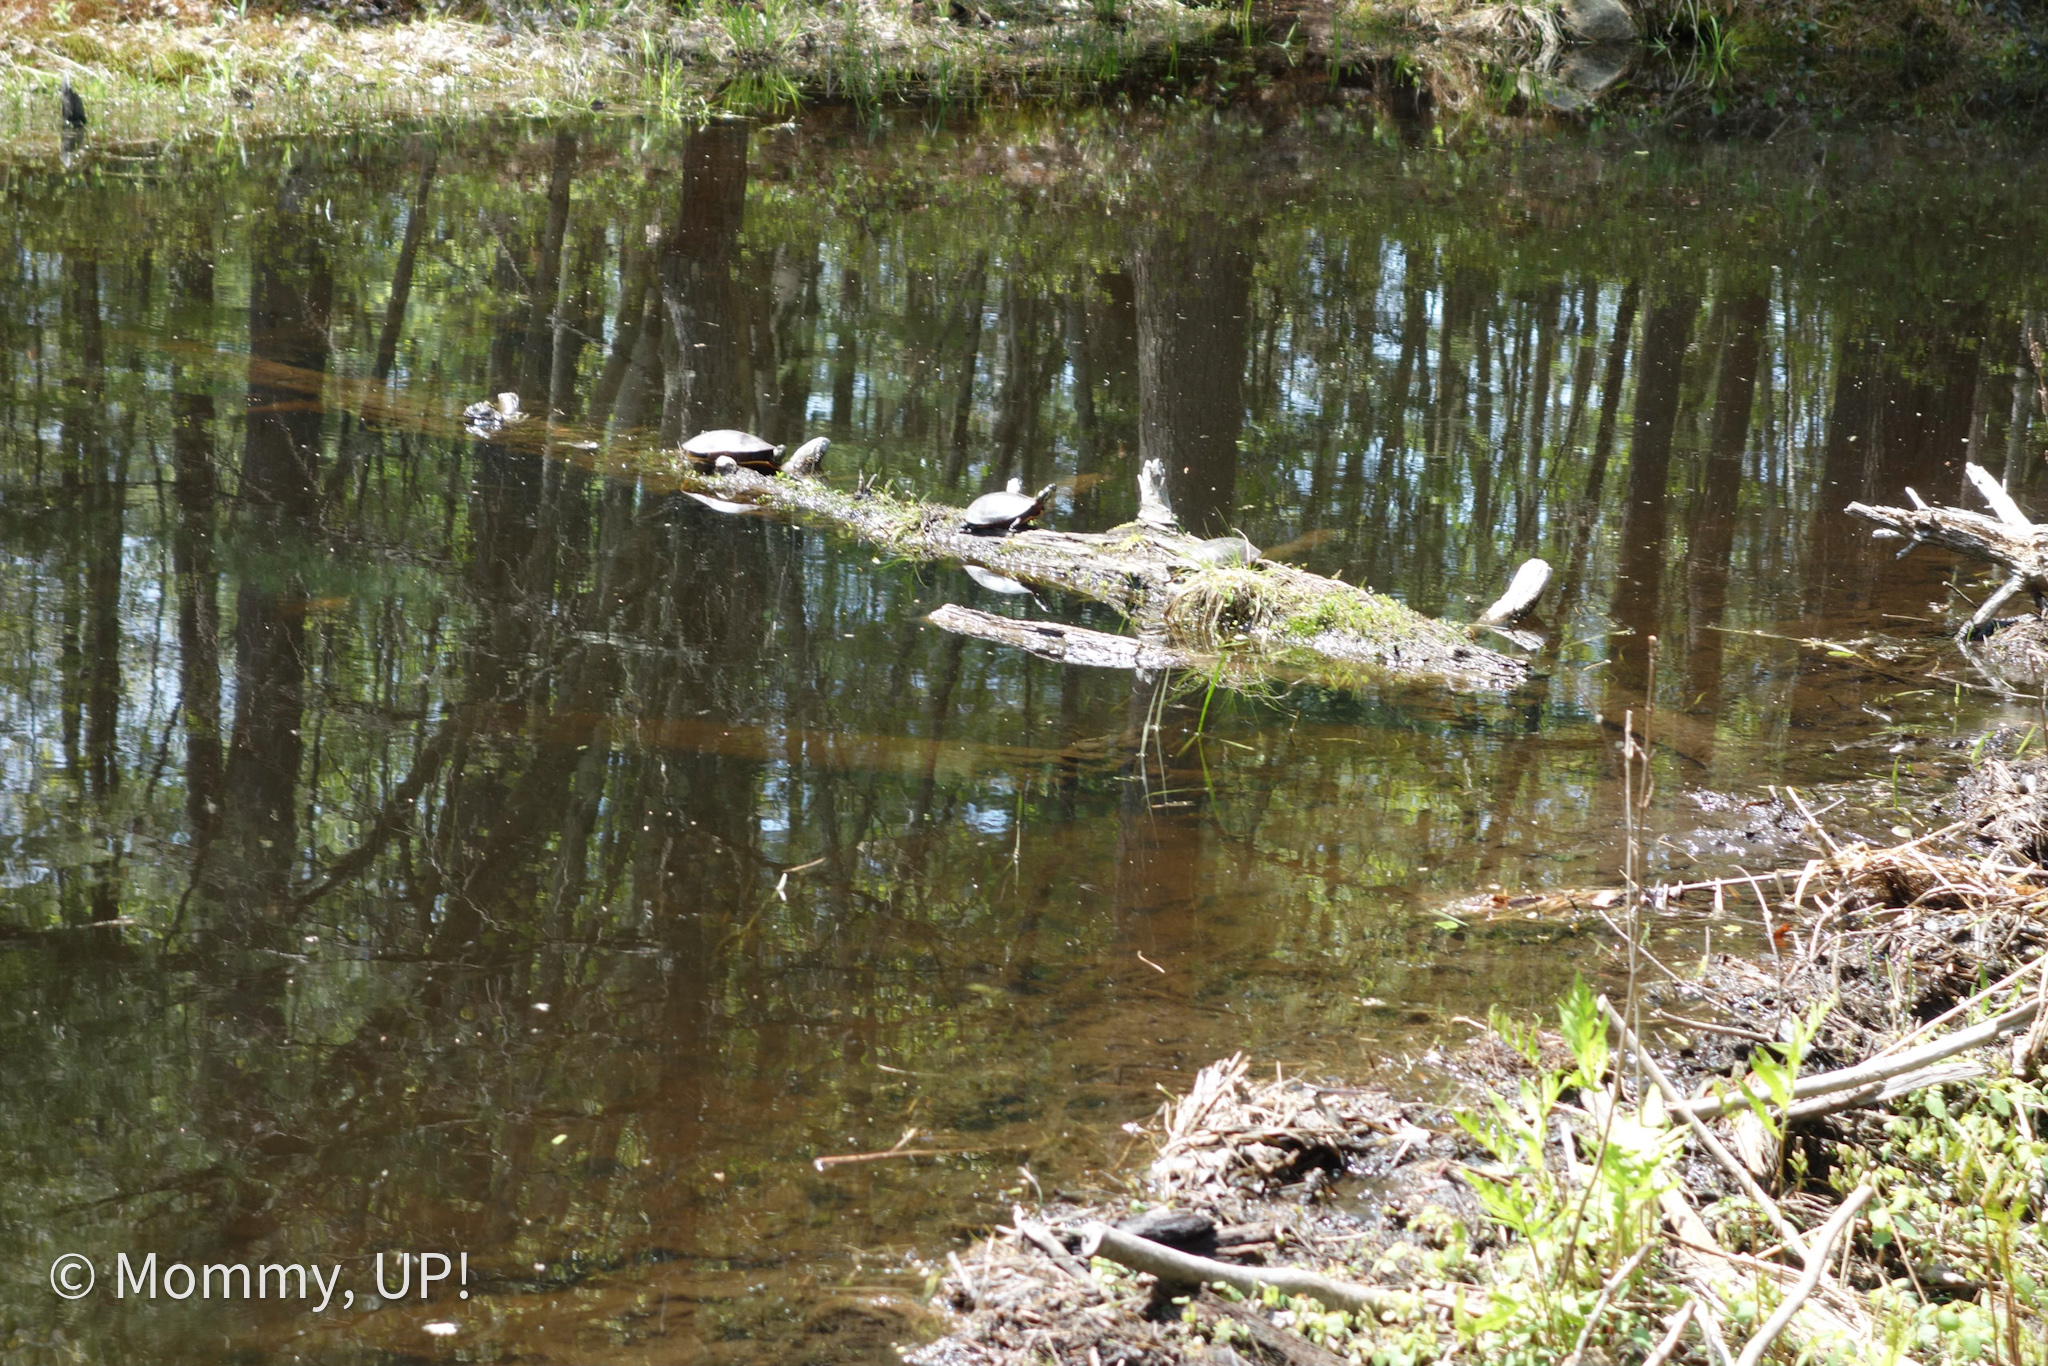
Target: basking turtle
column 1224, row 552
column 999, row 514
column 745, row 447
column 487, row 417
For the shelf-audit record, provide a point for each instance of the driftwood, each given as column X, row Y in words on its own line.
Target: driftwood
column 1166, row 583
column 2010, row 539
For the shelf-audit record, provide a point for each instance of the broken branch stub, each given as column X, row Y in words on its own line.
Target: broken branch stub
column 1522, row 591
column 1154, row 511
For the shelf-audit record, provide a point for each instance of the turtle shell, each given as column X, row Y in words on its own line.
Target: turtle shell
column 1004, row 511
column 1225, row 551
column 744, row 447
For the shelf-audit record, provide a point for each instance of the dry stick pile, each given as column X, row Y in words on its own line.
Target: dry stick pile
column 1900, row 939
column 1228, row 1134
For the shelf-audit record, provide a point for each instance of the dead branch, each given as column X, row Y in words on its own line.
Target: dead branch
column 1184, row 1268
column 1816, row 1269
column 2010, row 539
column 1882, row 1068
column 1715, row 1150
column 1076, row 645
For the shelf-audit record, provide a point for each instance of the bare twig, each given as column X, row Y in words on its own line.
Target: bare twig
column 1184, row 1268
column 1881, row 1068
column 1962, row 1007
column 849, row 1159
column 1710, row 1333
column 1816, row 1269
column 966, row 1281
column 1040, row 1237
column 1674, row 1332
column 1732, row 1031
column 1614, row 1282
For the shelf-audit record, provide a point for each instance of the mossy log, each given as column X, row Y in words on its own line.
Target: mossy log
column 1263, row 611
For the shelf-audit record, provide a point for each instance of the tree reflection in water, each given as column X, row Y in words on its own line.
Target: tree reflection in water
column 417, row 841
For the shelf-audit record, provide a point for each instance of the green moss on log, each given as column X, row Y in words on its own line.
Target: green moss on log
column 1286, row 611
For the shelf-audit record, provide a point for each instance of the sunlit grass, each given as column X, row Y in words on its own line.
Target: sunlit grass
column 162, row 77
column 179, row 68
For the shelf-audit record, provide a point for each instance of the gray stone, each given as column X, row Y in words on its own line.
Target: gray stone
column 1590, row 70
column 1599, row 21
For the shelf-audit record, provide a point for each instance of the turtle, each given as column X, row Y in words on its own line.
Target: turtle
column 486, row 417
column 999, row 514
column 745, row 447
column 1224, row 552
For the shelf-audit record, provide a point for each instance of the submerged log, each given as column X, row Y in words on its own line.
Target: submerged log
column 1159, row 579
column 1065, row 644
column 2010, row 539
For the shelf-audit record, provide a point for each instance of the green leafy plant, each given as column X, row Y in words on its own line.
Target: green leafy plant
column 1572, row 1227
column 1778, row 1072
column 1960, row 1178
column 761, row 31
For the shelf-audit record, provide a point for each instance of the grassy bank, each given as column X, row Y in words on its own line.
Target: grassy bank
column 164, row 71
column 150, row 69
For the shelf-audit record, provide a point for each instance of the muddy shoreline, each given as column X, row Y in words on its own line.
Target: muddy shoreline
column 1438, row 1214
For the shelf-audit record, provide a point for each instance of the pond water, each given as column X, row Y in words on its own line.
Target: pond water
column 416, row 843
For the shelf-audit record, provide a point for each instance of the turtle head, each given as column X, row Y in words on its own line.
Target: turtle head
column 1045, row 494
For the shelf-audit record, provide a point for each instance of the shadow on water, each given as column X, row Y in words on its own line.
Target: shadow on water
column 423, row 843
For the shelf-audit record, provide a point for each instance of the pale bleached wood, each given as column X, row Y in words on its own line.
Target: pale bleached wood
column 1882, row 1069
column 1816, row 1270
column 2009, row 540
column 1522, row 591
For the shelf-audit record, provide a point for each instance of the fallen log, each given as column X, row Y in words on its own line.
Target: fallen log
column 1165, row 582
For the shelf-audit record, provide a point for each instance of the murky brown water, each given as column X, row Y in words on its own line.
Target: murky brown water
column 413, row 844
